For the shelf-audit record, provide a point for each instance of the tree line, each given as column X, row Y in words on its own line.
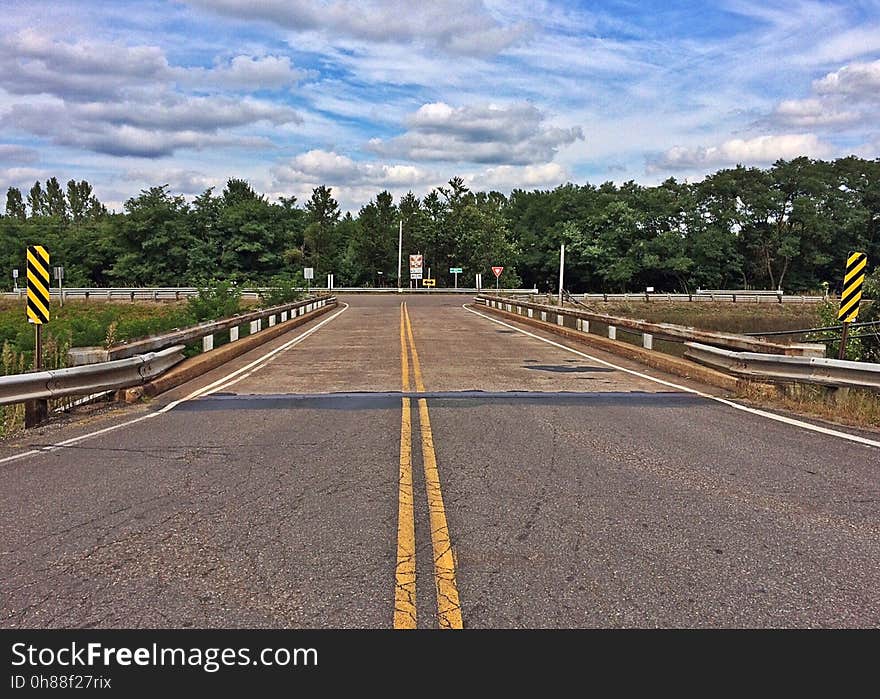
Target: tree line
column 789, row 226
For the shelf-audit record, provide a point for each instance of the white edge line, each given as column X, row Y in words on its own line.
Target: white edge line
column 199, row 392
column 744, row 408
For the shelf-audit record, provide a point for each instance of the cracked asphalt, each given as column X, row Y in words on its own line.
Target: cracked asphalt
column 576, row 495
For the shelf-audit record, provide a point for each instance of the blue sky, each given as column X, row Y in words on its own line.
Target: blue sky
column 401, row 95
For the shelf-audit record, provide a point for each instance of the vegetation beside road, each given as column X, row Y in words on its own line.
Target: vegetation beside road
column 790, row 226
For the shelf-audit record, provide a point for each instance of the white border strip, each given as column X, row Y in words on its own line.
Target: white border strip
column 198, row 393
column 737, row 406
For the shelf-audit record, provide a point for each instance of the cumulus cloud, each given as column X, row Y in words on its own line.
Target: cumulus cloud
column 759, row 150
column 508, row 177
column 150, row 130
column 457, row 26
column 812, row 112
column 245, row 72
column 126, row 101
column 318, row 167
column 511, row 134
column 179, row 180
column 31, row 63
column 861, row 80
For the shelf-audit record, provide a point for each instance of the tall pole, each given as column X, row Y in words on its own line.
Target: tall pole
column 400, row 257
column 561, row 270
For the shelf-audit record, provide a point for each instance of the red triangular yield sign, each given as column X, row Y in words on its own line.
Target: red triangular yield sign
column 497, row 271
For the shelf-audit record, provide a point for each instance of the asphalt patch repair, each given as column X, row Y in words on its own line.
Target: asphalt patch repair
column 391, row 400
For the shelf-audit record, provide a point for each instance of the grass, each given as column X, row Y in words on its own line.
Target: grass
column 87, row 324
column 720, row 316
column 854, row 407
column 79, row 324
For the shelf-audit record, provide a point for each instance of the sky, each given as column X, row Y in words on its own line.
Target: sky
column 366, row 95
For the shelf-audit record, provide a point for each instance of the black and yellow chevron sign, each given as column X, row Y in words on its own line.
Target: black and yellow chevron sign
column 37, row 284
column 852, row 287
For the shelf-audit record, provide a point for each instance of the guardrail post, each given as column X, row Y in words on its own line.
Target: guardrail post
column 560, row 319
column 647, row 341
column 233, row 333
column 284, row 316
column 612, row 332
column 271, row 321
column 132, row 297
column 255, row 326
column 207, row 343
column 531, row 312
column 544, row 316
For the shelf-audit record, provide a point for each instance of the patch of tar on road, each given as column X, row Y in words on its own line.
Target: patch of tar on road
column 560, row 369
column 391, row 400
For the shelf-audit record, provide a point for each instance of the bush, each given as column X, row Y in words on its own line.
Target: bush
column 215, row 299
column 283, row 289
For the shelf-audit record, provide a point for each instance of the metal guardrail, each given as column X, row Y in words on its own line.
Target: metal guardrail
column 782, row 369
column 94, row 378
column 668, row 331
column 706, row 297
column 90, row 355
column 176, row 293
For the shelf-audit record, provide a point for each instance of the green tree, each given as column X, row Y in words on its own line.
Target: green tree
column 56, row 204
column 15, row 204
column 36, row 200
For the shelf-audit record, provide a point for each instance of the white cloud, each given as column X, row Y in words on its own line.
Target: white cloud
column 497, row 134
column 121, row 100
column 760, row 150
column 317, row 167
column 810, row 113
column 247, row 72
column 31, row 63
column 508, row 177
column 179, row 180
column 860, row 80
column 456, row 26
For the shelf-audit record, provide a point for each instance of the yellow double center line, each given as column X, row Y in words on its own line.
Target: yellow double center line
column 448, row 605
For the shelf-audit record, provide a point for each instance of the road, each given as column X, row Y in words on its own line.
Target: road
column 404, row 461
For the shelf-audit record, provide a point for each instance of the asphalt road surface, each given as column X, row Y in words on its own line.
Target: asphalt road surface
column 403, row 461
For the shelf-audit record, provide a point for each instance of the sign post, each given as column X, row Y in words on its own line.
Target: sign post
column 415, row 268
column 853, row 279
column 15, row 280
column 58, row 273
column 400, row 258
column 456, row 271
column 497, row 272
column 35, row 411
column 561, row 270
column 308, row 275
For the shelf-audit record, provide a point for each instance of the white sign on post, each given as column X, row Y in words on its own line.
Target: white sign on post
column 308, row 272
column 415, row 266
